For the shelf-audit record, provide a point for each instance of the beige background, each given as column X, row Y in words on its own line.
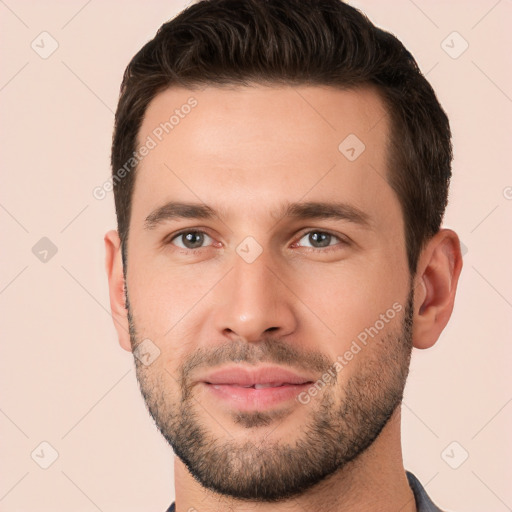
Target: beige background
column 65, row 380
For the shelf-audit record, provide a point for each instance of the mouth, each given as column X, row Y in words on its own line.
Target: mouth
column 258, row 397
column 259, row 385
column 249, row 388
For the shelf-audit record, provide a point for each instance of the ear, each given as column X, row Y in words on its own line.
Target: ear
column 114, row 267
column 435, row 285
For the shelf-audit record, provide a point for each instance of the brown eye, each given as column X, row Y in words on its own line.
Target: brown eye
column 320, row 239
column 190, row 239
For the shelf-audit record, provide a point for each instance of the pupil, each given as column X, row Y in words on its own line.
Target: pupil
column 193, row 240
column 322, row 239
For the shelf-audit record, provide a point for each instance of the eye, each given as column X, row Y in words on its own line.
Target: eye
column 191, row 239
column 320, row 239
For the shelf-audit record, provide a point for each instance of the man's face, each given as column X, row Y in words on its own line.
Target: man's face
column 251, row 288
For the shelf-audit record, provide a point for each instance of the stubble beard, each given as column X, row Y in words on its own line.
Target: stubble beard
column 263, row 468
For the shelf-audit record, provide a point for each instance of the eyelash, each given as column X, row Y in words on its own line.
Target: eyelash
column 326, row 249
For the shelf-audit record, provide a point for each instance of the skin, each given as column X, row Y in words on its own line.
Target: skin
column 245, row 151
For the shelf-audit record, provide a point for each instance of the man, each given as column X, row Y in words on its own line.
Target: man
column 280, row 170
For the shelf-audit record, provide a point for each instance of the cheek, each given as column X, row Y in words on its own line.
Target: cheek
column 166, row 303
column 159, row 290
column 349, row 299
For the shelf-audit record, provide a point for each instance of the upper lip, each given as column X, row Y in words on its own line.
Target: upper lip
column 249, row 377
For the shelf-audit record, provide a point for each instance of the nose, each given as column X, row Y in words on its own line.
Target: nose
column 254, row 301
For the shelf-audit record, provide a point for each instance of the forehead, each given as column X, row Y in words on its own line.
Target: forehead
column 252, row 148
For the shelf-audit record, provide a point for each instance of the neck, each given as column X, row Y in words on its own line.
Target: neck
column 374, row 482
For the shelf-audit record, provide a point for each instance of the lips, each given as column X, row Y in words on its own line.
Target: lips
column 256, row 386
column 261, row 386
column 254, row 389
column 258, row 378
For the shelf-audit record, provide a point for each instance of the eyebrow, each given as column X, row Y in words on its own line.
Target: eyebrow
column 312, row 210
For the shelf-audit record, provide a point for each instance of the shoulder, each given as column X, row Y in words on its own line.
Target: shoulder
column 423, row 501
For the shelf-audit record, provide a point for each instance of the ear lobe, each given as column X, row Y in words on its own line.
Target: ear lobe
column 114, row 268
column 436, row 281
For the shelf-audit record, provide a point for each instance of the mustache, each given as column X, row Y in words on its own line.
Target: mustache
column 268, row 350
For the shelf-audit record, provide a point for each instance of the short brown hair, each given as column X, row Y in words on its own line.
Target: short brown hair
column 296, row 42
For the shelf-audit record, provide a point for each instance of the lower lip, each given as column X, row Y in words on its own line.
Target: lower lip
column 250, row 398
